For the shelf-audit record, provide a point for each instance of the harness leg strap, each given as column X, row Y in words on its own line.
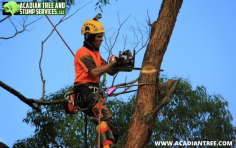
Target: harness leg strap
column 97, row 107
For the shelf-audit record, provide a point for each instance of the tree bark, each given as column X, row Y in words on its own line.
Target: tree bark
column 141, row 129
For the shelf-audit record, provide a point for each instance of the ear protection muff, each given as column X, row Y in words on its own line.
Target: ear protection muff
column 87, row 35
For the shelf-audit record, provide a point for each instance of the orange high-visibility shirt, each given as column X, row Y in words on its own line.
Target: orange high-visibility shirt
column 85, row 60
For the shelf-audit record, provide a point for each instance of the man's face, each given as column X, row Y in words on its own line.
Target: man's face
column 98, row 40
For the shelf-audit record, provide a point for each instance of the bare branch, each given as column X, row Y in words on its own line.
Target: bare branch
column 149, row 20
column 143, row 46
column 33, row 21
column 138, row 31
column 136, row 36
column 46, row 102
column 5, row 18
column 122, row 84
column 107, row 46
column 123, row 92
column 24, row 28
column 18, row 95
column 125, row 38
column 77, row 10
column 114, row 79
column 41, row 72
column 13, row 24
column 119, row 30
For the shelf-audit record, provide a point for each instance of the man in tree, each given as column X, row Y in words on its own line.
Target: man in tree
column 89, row 66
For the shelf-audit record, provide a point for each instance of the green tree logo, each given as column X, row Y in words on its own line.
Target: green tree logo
column 11, row 7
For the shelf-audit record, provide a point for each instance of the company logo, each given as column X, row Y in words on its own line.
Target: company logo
column 33, row 8
column 11, row 7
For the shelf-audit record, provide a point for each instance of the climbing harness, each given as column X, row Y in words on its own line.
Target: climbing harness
column 69, row 105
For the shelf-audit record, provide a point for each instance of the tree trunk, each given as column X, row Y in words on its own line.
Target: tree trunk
column 142, row 123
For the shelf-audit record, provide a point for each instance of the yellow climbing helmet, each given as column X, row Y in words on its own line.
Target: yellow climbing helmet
column 93, row 26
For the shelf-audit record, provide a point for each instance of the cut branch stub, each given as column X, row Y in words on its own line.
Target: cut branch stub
column 166, row 99
column 165, row 91
column 164, row 88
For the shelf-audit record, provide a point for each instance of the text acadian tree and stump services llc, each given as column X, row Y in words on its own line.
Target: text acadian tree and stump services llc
column 34, row 8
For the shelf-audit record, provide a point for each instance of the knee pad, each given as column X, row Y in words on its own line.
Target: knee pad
column 106, row 136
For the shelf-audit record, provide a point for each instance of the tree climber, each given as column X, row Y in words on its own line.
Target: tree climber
column 89, row 66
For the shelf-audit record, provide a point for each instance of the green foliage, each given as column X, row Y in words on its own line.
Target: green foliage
column 101, row 3
column 192, row 115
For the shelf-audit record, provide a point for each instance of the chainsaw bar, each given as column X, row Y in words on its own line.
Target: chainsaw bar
column 135, row 68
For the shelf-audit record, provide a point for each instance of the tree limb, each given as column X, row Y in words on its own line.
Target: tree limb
column 123, row 92
column 122, row 84
column 166, row 99
column 46, row 102
column 114, row 78
column 5, row 18
column 41, row 74
column 19, row 95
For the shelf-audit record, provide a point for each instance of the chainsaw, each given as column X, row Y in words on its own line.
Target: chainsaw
column 128, row 62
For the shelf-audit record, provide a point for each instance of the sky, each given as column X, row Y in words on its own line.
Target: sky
column 201, row 49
